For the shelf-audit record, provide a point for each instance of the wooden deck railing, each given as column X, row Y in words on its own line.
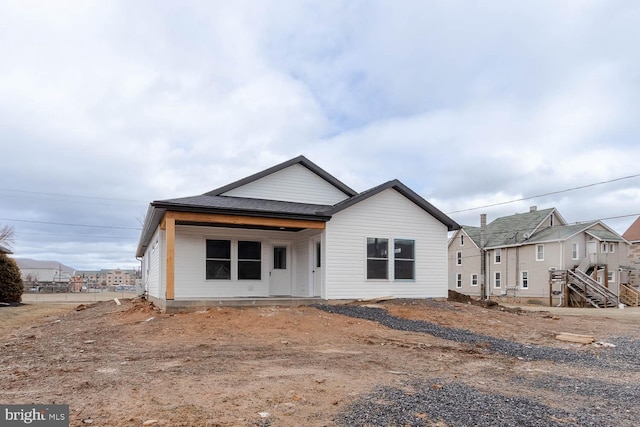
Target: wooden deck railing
column 629, row 296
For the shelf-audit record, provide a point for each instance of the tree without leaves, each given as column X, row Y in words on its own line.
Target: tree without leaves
column 7, row 235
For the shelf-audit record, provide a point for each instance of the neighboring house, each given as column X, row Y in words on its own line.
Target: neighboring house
column 632, row 235
column 293, row 230
column 44, row 271
column 97, row 278
column 5, row 250
column 520, row 250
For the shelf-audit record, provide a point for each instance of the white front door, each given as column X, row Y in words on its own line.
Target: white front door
column 317, row 267
column 280, row 271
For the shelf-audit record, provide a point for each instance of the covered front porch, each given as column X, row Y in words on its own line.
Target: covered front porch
column 215, row 260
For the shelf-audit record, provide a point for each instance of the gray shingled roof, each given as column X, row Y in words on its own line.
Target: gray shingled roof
column 301, row 160
column 559, row 233
column 213, row 202
column 605, row 235
column 514, row 229
column 244, row 205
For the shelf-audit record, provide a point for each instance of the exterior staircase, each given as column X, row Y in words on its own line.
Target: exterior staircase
column 629, row 296
column 584, row 291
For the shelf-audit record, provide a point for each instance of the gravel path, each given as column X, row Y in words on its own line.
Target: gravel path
column 457, row 404
column 624, row 355
column 428, row 402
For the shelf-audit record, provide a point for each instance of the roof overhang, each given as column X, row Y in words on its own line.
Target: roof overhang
column 158, row 213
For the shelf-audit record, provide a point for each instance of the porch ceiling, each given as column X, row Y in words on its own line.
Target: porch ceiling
column 241, row 221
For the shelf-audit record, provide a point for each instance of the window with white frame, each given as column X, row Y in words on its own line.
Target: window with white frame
column 218, row 260
column 524, row 279
column 612, row 248
column 461, row 239
column 604, row 247
column 539, row 252
column 611, row 276
column 497, row 279
column 458, row 280
column 377, row 258
column 575, row 254
column 458, row 258
column 474, row 280
column 497, row 256
column 249, row 260
column 404, row 259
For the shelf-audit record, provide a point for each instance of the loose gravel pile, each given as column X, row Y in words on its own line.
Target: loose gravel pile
column 457, row 404
column 624, row 355
column 428, row 402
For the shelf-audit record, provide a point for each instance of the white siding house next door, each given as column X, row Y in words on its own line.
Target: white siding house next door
column 280, row 269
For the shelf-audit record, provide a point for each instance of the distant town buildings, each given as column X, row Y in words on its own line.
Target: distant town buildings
column 43, row 275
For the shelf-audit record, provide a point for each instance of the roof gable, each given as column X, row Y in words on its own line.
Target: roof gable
column 406, row 192
column 297, row 180
column 515, row 229
column 633, row 232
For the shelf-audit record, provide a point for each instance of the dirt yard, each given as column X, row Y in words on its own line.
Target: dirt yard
column 131, row 365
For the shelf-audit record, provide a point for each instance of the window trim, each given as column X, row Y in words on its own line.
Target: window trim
column 229, row 260
column 497, row 279
column 474, row 279
column 612, row 248
column 404, row 260
column 524, row 279
column 497, row 256
column 461, row 239
column 458, row 258
column 538, row 247
column 575, row 251
column 459, row 281
column 367, row 258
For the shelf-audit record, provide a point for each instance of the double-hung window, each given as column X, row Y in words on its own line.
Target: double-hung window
column 377, row 258
column 539, row 252
column 246, row 257
column 458, row 258
column 497, row 259
column 404, row 259
column 574, row 251
column 218, row 260
column 524, row 280
column 249, row 260
column 404, row 262
column 458, row 280
column 497, row 279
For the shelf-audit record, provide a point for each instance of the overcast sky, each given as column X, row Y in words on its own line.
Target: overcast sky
column 106, row 106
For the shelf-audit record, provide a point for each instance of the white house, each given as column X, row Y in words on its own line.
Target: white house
column 293, row 231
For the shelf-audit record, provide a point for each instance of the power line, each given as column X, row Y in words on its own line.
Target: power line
column 546, row 194
column 71, row 225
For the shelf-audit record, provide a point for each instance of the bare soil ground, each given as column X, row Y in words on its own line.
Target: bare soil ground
column 124, row 365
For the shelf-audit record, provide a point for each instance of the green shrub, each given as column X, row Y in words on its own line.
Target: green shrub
column 11, row 287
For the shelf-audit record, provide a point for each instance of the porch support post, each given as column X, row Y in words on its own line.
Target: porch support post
column 170, row 230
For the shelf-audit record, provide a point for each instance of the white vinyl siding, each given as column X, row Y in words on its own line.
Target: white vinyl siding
column 152, row 280
column 190, row 262
column 390, row 215
column 293, row 184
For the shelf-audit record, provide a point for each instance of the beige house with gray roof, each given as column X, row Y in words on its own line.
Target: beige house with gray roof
column 520, row 250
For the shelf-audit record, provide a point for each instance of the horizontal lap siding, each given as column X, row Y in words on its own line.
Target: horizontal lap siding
column 190, row 262
column 293, row 184
column 153, row 279
column 390, row 215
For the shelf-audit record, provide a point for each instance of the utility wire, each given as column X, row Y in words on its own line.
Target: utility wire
column 546, row 194
column 71, row 225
